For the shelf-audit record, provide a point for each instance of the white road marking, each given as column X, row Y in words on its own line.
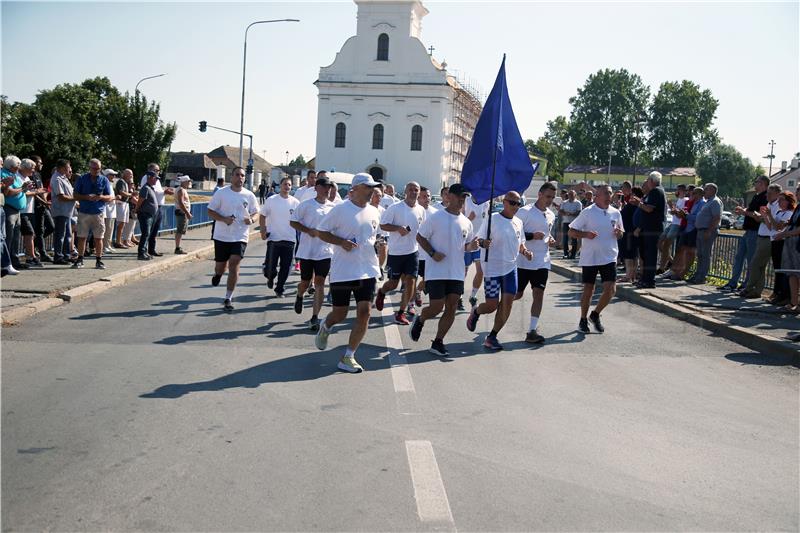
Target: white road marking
column 432, row 503
column 401, row 375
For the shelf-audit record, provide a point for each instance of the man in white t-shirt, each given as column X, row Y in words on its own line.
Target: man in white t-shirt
column 380, row 245
column 444, row 237
column 388, row 196
column 477, row 214
column 424, row 199
column 538, row 222
column 161, row 192
column 274, row 219
column 352, row 228
column 233, row 208
column 599, row 227
column 442, row 204
column 402, row 221
column 307, row 191
column 314, row 253
column 501, row 248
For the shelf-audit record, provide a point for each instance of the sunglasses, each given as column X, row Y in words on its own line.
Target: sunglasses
column 513, row 203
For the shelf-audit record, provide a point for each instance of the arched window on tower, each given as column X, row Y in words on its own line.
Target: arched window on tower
column 341, row 132
column 377, row 137
column 416, row 138
column 383, row 47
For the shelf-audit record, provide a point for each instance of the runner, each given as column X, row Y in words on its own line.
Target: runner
column 314, row 253
column 506, row 242
column 444, row 236
column 424, row 200
column 380, row 245
column 352, row 227
column 599, row 226
column 538, row 221
column 277, row 212
column 234, row 208
column 477, row 215
column 402, row 221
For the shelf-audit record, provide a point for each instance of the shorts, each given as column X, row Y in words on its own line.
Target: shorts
column 537, row 278
column 629, row 246
column 363, row 290
column 671, row 232
column 403, row 265
column 181, row 223
column 310, row 268
column 90, row 223
column 471, row 257
column 689, row 239
column 506, row 284
column 26, row 224
column 608, row 273
column 438, row 289
column 421, row 269
column 123, row 212
column 224, row 250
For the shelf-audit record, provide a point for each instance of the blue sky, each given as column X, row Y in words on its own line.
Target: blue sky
column 745, row 53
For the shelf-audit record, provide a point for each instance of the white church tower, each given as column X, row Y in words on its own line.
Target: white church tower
column 388, row 108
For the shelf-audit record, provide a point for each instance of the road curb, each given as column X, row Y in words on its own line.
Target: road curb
column 17, row 314
column 744, row 336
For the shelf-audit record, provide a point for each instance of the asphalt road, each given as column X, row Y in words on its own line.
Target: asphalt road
column 149, row 408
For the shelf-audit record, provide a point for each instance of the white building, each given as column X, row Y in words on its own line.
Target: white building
column 388, row 108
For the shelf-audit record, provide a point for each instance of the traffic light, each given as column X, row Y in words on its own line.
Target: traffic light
column 249, row 170
column 203, row 125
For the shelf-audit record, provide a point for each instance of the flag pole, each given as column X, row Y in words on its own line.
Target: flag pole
column 491, row 202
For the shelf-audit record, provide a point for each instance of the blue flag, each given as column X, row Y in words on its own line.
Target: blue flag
column 497, row 159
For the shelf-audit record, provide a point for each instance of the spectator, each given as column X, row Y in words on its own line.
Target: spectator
column 777, row 222
column 262, row 191
column 110, row 212
column 5, row 257
column 43, row 224
column 147, row 210
column 569, row 211
column 629, row 242
column 687, row 242
column 671, row 233
column 26, row 169
column 588, row 198
column 756, row 277
column 161, row 193
column 15, row 203
column 183, row 212
column 122, row 193
column 652, row 207
column 220, row 184
column 790, row 260
column 93, row 191
column 63, row 207
column 707, row 224
column 746, row 248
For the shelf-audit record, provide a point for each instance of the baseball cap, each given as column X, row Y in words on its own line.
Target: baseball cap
column 184, row 178
column 324, row 181
column 362, row 178
column 110, row 172
column 458, row 189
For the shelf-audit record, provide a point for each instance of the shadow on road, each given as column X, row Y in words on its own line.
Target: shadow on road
column 762, row 359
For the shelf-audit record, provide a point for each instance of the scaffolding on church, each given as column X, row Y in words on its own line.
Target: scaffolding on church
column 466, row 109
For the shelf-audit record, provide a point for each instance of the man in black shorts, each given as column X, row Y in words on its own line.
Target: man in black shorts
column 599, row 227
column 234, row 209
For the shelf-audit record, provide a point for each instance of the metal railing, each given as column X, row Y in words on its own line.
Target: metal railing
column 722, row 258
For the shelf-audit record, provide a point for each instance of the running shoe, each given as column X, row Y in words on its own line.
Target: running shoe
column 418, row 299
column 473, row 301
column 438, row 348
column 472, row 319
column 227, row 305
column 595, row 318
column 379, row 300
column 349, row 364
column 313, row 324
column 298, row 304
column 311, row 290
column 411, row 312
column 583, row 325
column 534, row 338
column 99, row 265
column 416, row 329
column 492, row 344
column 400, row 318
column 215, row 279
column 78, row 263
column 321, row 340
column 270, row 283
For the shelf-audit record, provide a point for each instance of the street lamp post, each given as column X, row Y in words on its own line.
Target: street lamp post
column 136, row 90
column 244, row 72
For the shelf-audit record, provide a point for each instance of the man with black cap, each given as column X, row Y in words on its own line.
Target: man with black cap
column 314, row 253
column 351, row 227
column 444, row 236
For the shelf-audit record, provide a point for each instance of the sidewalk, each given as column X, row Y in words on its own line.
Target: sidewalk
column 753, row 323
column 34, row 290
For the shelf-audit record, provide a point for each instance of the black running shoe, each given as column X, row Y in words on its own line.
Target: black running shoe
column 215, row 280
column 416, row 329
column 298, row 304
column 438, row 348
column 228, row 306
column 534, row 338
column 595, row 318
column 583, row 325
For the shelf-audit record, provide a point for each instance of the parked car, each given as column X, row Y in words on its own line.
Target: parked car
column 726, row 221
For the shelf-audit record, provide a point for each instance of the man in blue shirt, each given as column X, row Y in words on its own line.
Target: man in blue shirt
column 93, row 191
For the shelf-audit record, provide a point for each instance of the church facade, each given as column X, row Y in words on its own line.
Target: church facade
column 386, row 107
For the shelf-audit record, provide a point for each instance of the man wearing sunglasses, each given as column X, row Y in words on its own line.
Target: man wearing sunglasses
column 503, row 246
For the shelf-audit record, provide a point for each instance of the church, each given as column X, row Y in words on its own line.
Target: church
column 387, row 107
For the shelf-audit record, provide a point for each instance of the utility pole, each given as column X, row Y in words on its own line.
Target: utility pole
column 771, row 156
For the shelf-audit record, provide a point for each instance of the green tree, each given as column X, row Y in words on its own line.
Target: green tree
column 680, row 120
column 554, row 146
column 10, row 120
column 728, row 168
column 298, row 161
column 604, row 116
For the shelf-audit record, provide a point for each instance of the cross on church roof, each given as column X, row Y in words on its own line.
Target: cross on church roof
column 431, row 49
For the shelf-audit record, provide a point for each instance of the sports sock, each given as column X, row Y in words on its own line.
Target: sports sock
column 493, row 333
column 228, row 295
column 349, row 352
column 534, row 322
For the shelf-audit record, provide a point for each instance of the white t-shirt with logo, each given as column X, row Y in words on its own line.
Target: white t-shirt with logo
column 387, row 200
column 447, row 233
column 241, row 205
column 603, row 249
column 481, row 213
column 278, row 212
column 400, row 214
column 351, row 222
column 533, row 221
column 679, row 205
column 506, row 237
column 310, row 214
column 429, row 211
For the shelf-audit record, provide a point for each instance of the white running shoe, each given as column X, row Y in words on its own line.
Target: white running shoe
column 321, row 340
column 349, row 364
